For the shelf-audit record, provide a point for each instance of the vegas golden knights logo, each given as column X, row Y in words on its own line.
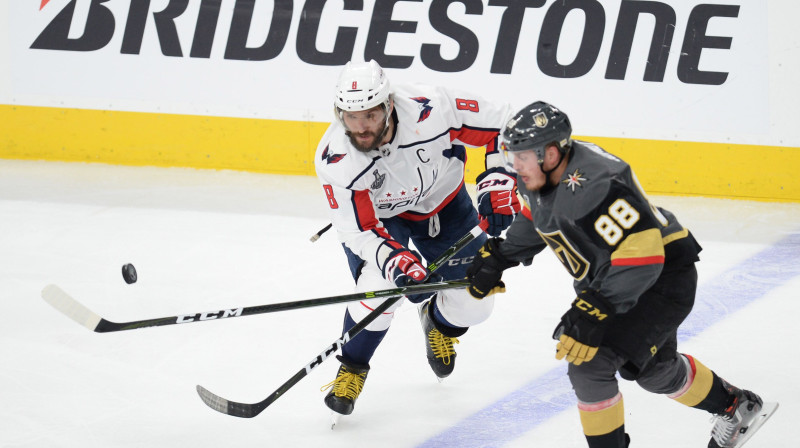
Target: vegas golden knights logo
column 540, row 120
column 576, row 265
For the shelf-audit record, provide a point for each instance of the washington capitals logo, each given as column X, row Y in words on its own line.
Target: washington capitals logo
column 425, row 111
column 574, row 180
column 331, row 158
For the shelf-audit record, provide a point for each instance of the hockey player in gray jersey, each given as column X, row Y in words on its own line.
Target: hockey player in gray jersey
column 634, row 274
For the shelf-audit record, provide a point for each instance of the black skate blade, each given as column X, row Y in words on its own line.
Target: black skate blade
column 767, row 410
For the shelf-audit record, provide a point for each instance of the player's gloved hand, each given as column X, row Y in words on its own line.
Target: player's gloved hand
column 404, row 268
column 486, row 270
column 582, row 327
column 496, row 191
column 419, row 298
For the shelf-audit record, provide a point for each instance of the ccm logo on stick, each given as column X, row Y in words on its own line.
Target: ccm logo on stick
column 211, row 315
column 333, row 348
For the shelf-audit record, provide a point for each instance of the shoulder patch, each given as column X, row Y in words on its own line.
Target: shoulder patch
column 425, row 108
column 330, row 157
column 574, row 180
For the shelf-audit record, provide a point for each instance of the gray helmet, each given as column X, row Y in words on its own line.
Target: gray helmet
column 535, row 127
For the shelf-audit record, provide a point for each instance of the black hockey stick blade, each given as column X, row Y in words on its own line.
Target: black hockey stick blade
column 250, row 410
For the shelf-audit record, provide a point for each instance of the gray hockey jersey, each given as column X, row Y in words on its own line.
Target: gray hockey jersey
column 601, row 226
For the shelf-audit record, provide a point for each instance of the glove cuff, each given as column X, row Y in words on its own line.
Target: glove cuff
column 594, row 307
column 493, row 247
column 499, row 171
column 400, row 258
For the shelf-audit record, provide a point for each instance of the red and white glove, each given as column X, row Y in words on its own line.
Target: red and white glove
column 497, row 199
column 403, row 268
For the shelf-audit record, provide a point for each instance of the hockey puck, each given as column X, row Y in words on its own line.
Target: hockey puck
column 129, row 273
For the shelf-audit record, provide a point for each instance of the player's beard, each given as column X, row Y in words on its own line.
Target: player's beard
column 377, row 137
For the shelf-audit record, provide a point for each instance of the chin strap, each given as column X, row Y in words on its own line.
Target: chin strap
column 548, row 185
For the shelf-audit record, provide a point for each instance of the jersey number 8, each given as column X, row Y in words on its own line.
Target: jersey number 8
column 329, row 194
column 623, row 215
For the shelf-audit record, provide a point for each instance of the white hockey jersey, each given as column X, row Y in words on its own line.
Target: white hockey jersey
column 414, row 175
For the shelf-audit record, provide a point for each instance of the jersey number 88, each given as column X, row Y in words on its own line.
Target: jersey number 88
column 624, row 216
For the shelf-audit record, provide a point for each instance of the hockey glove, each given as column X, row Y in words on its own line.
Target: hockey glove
column 582, row 327
column 486, row 270
column 403, row 268
column 497, row 199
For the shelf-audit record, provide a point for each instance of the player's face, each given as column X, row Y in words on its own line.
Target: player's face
column 365, row 128
column 526, row 164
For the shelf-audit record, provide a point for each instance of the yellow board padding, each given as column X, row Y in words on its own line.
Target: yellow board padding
column 753, row 172
column 168, row 140
column 287, row 147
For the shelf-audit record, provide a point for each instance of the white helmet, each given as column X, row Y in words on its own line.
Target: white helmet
column 361, row 86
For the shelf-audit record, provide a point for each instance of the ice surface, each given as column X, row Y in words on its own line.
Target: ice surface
column 207, row 240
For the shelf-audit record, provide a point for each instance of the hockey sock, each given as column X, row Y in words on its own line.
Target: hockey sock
column 361, row 348
column 441, row 324
column 703, row 388
column 718, row 397
column 604, row 423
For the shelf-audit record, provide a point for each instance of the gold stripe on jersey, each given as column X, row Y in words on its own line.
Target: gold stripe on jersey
column 602, row 418
column 683, row 233
column 639, row 248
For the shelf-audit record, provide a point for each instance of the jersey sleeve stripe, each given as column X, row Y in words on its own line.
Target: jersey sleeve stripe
column 683, row 233
column 526, row 212
column 491, row 147
column 474, row 136
column 364, row 211
column 641, row 261
column 640, row 248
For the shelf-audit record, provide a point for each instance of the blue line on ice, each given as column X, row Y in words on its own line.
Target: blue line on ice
column 545, row 396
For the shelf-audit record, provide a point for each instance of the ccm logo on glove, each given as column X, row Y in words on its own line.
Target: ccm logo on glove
column 581, row 330
column 589, row 309
column 497, row 200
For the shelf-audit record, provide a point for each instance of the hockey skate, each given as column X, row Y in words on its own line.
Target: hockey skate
column 439, row 348
column 345, row 389
column 740, row 420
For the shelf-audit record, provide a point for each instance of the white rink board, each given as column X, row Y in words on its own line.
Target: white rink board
column 129, row 71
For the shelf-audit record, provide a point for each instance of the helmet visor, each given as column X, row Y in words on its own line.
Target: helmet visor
column 515, row 159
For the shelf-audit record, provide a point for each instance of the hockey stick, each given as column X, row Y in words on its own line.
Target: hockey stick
column 250, row 410
column 78, row 312
column 316, row 236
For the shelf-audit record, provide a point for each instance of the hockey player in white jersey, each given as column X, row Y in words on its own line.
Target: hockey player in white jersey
column 392, row 168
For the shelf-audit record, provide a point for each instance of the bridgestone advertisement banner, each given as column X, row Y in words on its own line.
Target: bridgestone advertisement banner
column 638, row 69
